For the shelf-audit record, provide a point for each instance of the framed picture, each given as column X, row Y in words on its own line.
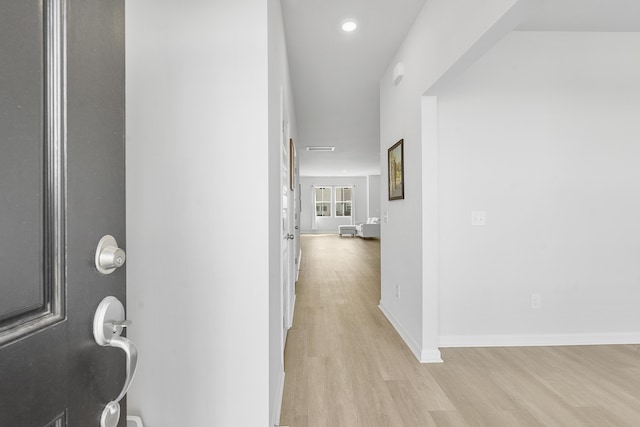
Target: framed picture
column 292, row 165
column 396, row 171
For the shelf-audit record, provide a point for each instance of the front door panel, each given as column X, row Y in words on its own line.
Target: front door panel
column 61, row 189
column 23, row 168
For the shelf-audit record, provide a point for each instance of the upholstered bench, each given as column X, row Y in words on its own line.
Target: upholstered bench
column 347, row 229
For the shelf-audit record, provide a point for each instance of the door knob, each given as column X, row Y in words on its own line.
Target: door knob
column 290, row 236
column 108, row 324
column 109, row 256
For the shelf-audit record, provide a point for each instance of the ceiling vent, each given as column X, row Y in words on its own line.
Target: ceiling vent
column 320, row 148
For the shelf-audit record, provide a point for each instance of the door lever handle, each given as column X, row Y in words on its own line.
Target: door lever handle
column 117, row 325
column 107, row 334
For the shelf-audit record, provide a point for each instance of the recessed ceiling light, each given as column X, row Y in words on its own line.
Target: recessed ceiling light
column 320, row 148
column 349, row 25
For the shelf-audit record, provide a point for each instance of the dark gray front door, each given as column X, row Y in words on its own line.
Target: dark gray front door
column 61, row 189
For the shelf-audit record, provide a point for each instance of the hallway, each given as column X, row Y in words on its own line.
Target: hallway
column 346, row 366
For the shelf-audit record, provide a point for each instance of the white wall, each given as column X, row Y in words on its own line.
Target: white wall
column 280, row 108
column 373, row 196
column 446, row 35
column 330, row 224
column 543, row 134
column 197, row 162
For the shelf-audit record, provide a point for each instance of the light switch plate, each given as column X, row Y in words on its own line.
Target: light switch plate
column 536, row 301
column 478, row 218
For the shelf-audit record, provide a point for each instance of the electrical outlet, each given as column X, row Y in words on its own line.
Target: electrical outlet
column 536, row 301
column 478, row 218
column 397, row 291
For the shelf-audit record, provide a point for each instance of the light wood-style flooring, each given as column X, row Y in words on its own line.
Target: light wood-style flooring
column 346, row 366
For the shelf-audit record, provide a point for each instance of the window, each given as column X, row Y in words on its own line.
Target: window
column 343, row 201
column 323, row 201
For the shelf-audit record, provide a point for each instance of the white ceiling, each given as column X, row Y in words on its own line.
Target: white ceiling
column 335, row 75
column 583, row 15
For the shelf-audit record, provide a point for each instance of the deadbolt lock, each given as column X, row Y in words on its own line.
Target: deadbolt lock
column 109, row 256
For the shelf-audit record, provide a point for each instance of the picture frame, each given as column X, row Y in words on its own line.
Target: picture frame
column 395, row 156
column 292, row 165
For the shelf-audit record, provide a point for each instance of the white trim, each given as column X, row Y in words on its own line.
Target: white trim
column 277, row 402
column 423, row 355
column 291, row 313
column 299, row 262
column 539, row 340
column 431, row 356
column 430, row 227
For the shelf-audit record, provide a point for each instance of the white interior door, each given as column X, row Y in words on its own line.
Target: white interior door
column 287, row 235
column 294, row 230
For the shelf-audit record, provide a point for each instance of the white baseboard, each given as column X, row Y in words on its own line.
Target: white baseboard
column 277, row 403
column 431, row 355
column 538, row 340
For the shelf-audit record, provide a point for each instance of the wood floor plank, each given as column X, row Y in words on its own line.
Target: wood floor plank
column 412, row 412
column 449, row 419
column 347, row 367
